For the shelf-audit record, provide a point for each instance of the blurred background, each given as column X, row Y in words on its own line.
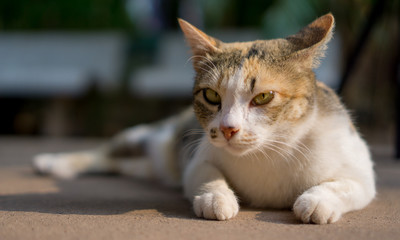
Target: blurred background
column 93, row 68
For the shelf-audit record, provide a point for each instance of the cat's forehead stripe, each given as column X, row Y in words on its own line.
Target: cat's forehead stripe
column 252, row 84
column 256, row 50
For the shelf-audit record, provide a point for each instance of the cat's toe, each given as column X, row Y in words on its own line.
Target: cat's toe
column 202, row 206
column 313, row 209
column 217, row 205
column 225, row 206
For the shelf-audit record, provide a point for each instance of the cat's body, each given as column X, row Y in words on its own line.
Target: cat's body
column 273, row 136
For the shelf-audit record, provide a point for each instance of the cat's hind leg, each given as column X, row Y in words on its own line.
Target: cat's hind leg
column 72, row 164
column 124, row 153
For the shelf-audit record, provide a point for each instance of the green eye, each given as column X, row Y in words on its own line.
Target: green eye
column 263, row 98
column 211, row 96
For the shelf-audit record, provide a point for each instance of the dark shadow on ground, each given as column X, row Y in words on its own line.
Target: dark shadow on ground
column 100, row 195
column 114, row 195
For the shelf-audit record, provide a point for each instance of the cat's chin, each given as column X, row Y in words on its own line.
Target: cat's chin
column 236, row 151
column 233, row 149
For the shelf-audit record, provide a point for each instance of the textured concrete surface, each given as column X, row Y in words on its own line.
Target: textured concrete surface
column 116, row 207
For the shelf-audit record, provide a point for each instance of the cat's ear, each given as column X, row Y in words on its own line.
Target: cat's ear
column 310, row 42
column 200, row 43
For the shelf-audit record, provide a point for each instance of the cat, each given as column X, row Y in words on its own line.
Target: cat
column 271, row 135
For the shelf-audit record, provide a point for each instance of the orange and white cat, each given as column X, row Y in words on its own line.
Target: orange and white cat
column 272, row 136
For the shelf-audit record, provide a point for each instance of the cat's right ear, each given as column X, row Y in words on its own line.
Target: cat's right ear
column 310, row 42
column 200, row 43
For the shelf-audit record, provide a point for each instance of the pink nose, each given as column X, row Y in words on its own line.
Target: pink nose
column 228, row 131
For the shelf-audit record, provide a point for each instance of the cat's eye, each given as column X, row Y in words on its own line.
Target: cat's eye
column 263, row 98
column 211, row 96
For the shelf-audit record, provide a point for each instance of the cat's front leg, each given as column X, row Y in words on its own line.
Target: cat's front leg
column 325, row 203
column 216, row 203
column 212, row 198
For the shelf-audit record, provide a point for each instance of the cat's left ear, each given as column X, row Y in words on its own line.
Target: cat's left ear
column 200, row 43
column 310, row 42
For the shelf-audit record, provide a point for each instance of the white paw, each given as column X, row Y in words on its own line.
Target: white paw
column 58, row 165
column 311, row 208
column 217, row 205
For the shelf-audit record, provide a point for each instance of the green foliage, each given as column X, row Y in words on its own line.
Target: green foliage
column 237, row 13
column 62, row 14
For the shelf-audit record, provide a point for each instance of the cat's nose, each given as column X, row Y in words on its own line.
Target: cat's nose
column 228, row 131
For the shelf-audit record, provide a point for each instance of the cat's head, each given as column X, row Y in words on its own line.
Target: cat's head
column 253, row 94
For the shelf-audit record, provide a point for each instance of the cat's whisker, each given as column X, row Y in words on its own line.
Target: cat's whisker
column 295, row 148
column 275, row 144
column 286, row 154
column 192, row 132
column 191, row 147
column 202, row 57
column 279, row 152
column 299, row 145
column 265, row 154
column 192, row 57
column 273, row 148
column 297, row 142
column 262, row 151
column 201, row 62
column 212, row 72
column 189, row 152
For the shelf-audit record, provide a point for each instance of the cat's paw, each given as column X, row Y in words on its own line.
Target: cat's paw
column 311, row 208
column 58, row 165
column 216, row 205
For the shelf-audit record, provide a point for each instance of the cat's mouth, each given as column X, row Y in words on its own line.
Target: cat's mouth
column 236, row 147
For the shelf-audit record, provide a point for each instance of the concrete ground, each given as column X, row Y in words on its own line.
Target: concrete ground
column 116, row 207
